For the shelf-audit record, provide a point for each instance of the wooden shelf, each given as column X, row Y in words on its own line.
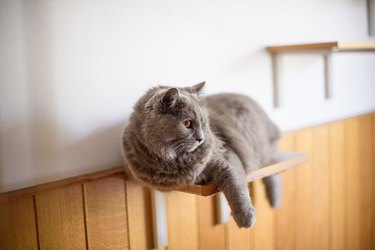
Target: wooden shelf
column 330, row 46
column 285, row 161
column 325, row 49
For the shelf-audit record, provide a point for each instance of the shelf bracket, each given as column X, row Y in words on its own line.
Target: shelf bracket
column 275, row 81
column 370, row 17
column 277, row 100
column 159, row 219
column 327, row 75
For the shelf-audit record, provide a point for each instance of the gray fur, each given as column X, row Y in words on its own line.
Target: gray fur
column 230, row 135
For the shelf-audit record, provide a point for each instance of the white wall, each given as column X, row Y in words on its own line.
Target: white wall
column 71, row 70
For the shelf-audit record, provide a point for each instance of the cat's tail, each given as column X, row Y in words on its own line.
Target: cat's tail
column 273, row 189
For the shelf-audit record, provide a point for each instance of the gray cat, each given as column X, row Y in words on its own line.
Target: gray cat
column 176, row 138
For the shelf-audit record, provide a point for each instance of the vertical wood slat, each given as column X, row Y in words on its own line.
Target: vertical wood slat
column 239, row 238
column 366, row 180
column 337, row 167
column 352, row 185
column 320, row 188
column 60, row 217
column 106, row 218
column 303, row 194
column 182, row 220
column 264, row 228
column 18, row 228
column 139, row 216
column 211, row 235
column 285, row 214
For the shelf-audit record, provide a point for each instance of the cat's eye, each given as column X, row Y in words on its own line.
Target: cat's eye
column 187, row 124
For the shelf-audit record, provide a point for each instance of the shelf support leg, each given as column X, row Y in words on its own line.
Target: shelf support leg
column 370, row 17
column 159, row 219
column 275, row 81
column 222, row 209
column 327, row 75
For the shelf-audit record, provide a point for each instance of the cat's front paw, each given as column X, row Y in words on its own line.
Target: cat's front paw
column 245, row 217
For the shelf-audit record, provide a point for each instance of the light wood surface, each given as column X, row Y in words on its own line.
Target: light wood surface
column 366, row 181
column 286, row 160
column 285, row 214
column 329, row 46
column 237, row 238
column 182, row 220
column 106, row 216
column 320, row 188
column 18, row 228
column 303, row 193
column 337, row 185
column 212, row 236
column 139, row 216
column 352, row 187
column 264, row 231
column 61, row 219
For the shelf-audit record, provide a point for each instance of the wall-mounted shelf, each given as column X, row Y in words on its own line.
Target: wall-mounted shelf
column 284, row 161
column 325, row 49
column 328, row 46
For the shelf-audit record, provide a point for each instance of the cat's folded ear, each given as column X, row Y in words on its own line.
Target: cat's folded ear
column 169, row 98
column 197, row 88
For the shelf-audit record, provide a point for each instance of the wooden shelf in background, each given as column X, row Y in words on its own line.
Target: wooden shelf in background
column 325, row 49
column 285, row 161
column 330, row 46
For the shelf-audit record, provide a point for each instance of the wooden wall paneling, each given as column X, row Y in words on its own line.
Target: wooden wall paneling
column 182, row 220
column 60, row 216
column 238, row 239
column 366, row 180
column 285, row 214
column 139, row 216
column 18, row 228
column 320, row 188
column 303, row 193
column 264, row 229
column 337, row 167
column 211, row 234
column 106, row 218
column 352, row 184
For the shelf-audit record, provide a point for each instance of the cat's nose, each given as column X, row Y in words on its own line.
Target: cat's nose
column 201, row 139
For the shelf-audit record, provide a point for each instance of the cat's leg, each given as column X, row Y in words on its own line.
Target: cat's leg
column 273, row 189
column 229, row 175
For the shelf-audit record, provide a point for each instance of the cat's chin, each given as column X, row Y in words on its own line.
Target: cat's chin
column 194, row 147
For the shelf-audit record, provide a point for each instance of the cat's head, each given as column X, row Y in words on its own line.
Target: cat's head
column 175, row 121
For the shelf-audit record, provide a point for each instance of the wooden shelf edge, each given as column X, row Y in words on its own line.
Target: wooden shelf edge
column 328, row 46
column 302, row 47
column 285, row 161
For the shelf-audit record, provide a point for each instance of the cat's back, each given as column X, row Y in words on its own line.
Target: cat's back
column 235, row 107
column 239, row 118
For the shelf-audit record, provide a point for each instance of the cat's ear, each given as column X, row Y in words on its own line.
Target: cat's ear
column 169, row 98
column 197, row 88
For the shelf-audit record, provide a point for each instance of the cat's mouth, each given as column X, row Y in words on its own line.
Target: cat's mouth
column 195, row 145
